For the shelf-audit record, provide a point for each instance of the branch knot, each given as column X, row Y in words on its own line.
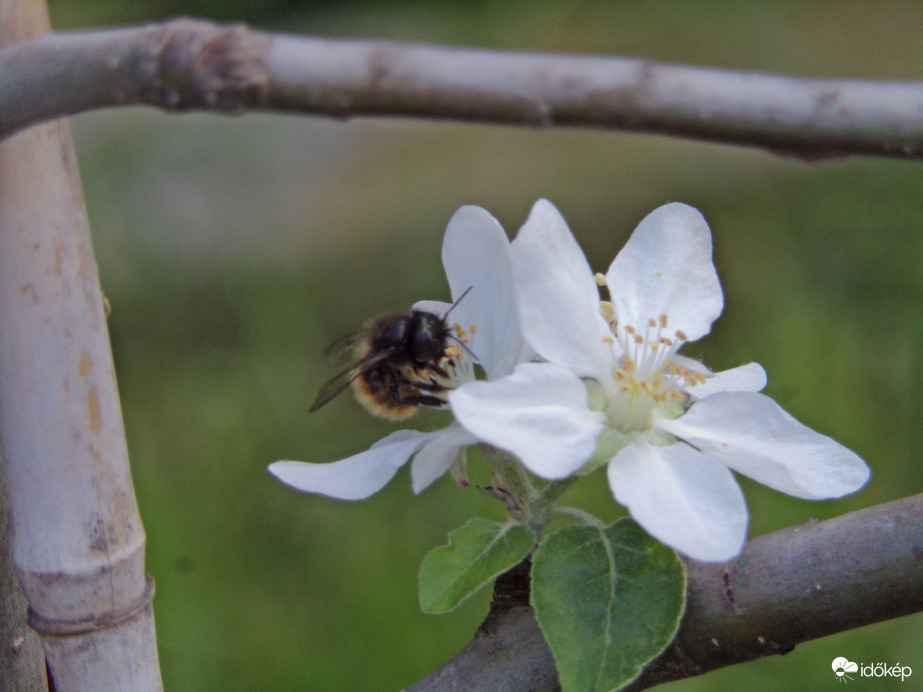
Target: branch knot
column 201, row 65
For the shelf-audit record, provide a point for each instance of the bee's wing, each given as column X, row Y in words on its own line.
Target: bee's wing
column 331, row 389
column 343, row 344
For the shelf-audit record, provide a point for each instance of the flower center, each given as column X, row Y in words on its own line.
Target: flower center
column 644, row 376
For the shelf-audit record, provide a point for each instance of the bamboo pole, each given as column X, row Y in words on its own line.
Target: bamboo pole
column 78, row 543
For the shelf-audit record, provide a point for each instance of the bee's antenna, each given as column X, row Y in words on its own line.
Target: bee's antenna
column 452, row 336
column 460, row 298
column 464, row 346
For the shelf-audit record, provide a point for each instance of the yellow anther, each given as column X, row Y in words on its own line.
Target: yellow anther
column 680, row 334
column 663, row 321
column 638, row 339
column 629, row 329
column 651, row 322
column 666, row 341
column 473, row 328
column 619, row 374
column 654, row 346
column 608, row 340
column 600, row 279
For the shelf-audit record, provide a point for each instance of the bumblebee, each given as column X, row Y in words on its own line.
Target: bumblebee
column 402, row 363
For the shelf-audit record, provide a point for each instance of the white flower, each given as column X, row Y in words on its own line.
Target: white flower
column 476, row 254
column 670, row 429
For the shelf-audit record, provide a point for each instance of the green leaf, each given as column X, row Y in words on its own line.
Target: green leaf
column 477, row 552
column 609, row 600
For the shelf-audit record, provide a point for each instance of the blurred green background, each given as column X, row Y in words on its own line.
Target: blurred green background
column 233, row 250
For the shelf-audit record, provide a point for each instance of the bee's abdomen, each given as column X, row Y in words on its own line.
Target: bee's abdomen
column 373, row 391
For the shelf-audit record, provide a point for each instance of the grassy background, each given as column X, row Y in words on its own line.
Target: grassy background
column 234, row 249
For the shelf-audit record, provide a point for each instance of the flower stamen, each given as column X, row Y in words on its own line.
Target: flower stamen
column 608, row 313
column 645, row 373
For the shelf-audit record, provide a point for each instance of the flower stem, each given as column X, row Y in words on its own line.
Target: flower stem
column 550, row 495
column 530, row 500
column 578, row 515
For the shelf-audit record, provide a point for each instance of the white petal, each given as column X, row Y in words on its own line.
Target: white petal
column 356, row 477
column 436, row 307
column 681, row 497
column 476, row 256
column 437, row 455
column 753, row 435
column 539, row 413
column 666, row 268
column 559, row 302
column 744, row 378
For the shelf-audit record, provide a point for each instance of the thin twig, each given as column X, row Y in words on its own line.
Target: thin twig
column 186, row 64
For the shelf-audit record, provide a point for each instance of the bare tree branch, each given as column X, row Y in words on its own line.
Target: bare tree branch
column 787, row 587
column 185, row 64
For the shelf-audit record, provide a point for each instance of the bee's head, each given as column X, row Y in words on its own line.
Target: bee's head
column 430, row 333
column 429, row 336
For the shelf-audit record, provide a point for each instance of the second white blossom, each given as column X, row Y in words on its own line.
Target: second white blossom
column 613, row 380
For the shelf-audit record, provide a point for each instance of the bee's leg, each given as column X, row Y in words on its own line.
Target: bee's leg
column 431, row 386
column 423, row 400
column 439, row 370
column 411, row 393
column 411, row 380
